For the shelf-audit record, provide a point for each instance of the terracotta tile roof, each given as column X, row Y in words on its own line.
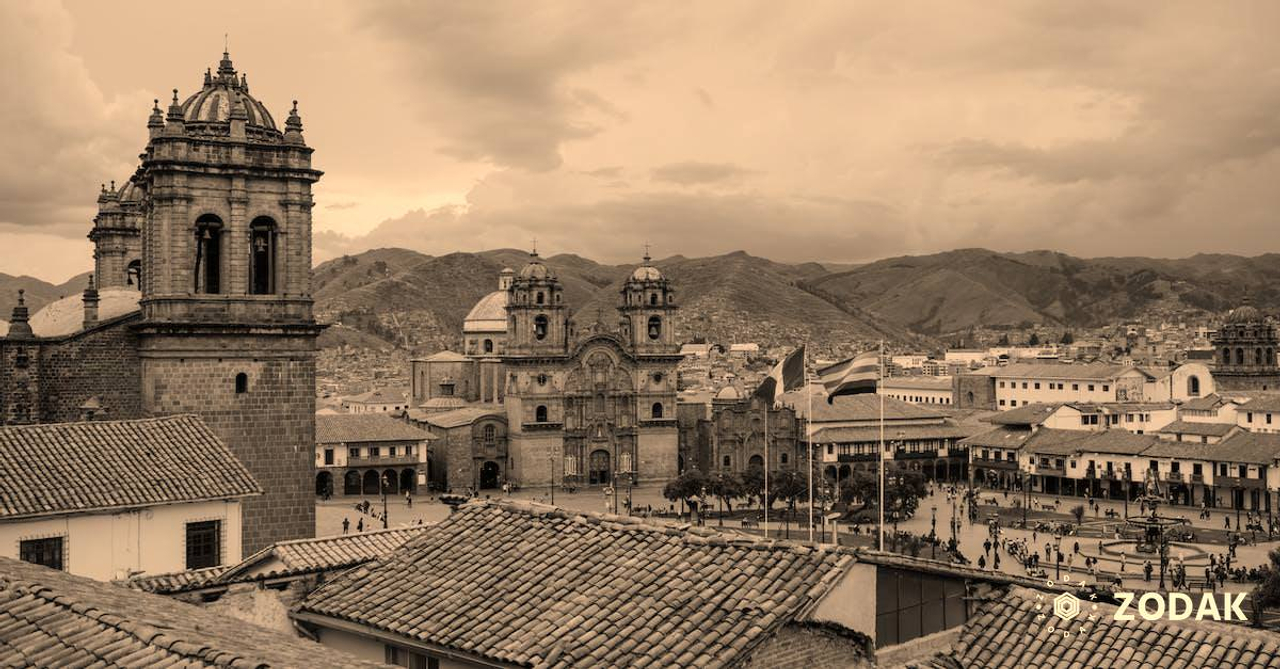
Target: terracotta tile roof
column 1267, row 402
column 1198, row 428
column 847, row 435
column 175, row 581
column 1206, row 403
column 69, row 467
column 1004, row 436
column 365, row 427
column 1253, row 447
column 535, row 585
column 50, row 618
column 1027, row 414
column 1113, row 442
column 305, row 556
column 1006, row 633
column 456, row 417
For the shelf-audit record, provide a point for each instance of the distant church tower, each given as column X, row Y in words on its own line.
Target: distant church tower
column 117, row 236
column 648, row 309
column 227, row 330
column 1245, row 351
column 537, row 317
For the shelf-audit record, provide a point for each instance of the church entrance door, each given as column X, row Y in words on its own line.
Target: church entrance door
column 489, row 475
column 598, row 468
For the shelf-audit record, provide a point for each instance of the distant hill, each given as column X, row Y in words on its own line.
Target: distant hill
column 397, row 297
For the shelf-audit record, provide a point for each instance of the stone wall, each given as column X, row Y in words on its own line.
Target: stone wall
column 101, row 362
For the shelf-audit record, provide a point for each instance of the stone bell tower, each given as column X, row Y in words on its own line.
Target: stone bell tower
column 648, row 308
column 537, row 317
column 227, row 330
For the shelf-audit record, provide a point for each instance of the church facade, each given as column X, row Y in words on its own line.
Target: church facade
column 583, row 405
column 1245, row 351
column 200, row 301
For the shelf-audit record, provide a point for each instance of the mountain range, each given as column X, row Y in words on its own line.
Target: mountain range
column 400, row 298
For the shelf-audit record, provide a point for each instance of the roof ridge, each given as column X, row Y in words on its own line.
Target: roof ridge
column 118, row 421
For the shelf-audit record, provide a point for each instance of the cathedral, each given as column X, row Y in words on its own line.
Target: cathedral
column 1245, row 351
column 200, row 301
column 579, row 405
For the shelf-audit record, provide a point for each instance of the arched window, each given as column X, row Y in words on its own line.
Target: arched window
column 727, row 462
column 262, row 256
column 242, row 383
column 657, row 410
column 1239, row 356
column 655, row 327
column 488, row 346
column 784, row 457
column 1257, row 357
column 540, row 414
column 1193, row 386
column 541, row 299
column 542, row 379
column 490, row 435
column 540, row 328
column 133, row 274
column 208, row 265
column 653, row 298
column 1226, row 356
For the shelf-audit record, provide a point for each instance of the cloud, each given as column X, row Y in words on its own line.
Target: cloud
column 342, row 205
column 691, row 173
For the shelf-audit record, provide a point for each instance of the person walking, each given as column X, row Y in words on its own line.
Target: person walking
column 1123, row 557
column 1146, row 571
column 360, row 525
column 346, row 525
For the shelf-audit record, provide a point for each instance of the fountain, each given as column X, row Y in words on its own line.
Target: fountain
column 1153, row 526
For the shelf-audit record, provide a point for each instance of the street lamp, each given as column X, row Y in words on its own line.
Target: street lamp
column 1026, row 494
column 386, row 481
column 1057, row 555
column 1164, row 555
column 933, row 532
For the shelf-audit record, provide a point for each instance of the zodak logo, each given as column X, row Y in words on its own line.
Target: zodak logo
column 1179, row 606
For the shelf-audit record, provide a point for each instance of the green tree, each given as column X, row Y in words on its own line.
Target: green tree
column 725, row 487
column 685, row 487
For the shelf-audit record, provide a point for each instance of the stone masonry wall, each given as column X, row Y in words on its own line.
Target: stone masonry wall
column 796, row 647
column 270, row 428
column 101, row 362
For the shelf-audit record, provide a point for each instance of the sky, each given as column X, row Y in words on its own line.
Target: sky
column 831, row 131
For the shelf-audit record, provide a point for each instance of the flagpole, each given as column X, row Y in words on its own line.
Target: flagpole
column 880, row 366
column 766, row 467
column 808, row 435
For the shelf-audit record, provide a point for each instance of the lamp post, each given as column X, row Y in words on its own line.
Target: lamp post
column 1057, row 556
column 385, row 482
column 551, row 479
column 933, row 532
column 1026, row 495
column 1164, row 556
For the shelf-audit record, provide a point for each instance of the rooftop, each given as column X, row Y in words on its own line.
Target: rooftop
column 1027, row 414
column 1003, row 436
column 530, row 584
column 1199, row 429
column 53, row 619
column 346, row 428
column 76, row 467
column 898, row 432
column 917, row 382
column 864, row 407
column 66, row 316
column 1089, row 372
column 457, row 417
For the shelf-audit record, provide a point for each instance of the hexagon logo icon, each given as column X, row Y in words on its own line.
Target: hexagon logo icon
column 1066, row 606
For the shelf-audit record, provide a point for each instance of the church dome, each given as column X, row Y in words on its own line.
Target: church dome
column 535, row 269
column 1244, row 314
column 729, row 393
column 130, row 192
column 222, row 97
column 489, row 314
column 66, row 316
column 646, row 273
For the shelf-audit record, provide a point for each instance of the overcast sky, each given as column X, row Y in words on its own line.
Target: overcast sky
column 840, row 131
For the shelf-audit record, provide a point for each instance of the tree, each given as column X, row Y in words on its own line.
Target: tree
column 1267, row 594
column 753, row 484
column 904, row 490
column 685, row 487
column 1034, row 340
column 726, row 487
column 1067, row 338
column 789, row 486
column 1078, row 512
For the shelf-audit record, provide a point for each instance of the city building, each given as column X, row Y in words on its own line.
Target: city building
column 367, row 454
column 584, row 402
column 382, row 400
column 110, row 499
column 727, row 434
column 1245, row 351
column 471, row 449
column 917, row 389
column 204, row 256
column 1020, row 384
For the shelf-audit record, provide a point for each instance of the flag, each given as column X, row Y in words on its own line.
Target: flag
column 851, row 377
column 787, row 375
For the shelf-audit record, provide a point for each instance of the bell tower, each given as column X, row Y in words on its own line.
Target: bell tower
column 227, row 330
column 648, row 311
column 537, row 318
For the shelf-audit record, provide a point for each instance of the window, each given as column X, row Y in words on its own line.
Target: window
column 1248, row 417
column 784, row 457
column 490, row 435
column 1193, row 386
column 1239, row 356
column 328, row 456
column 353, row 452
column 391, row 451
column 262, row 256
column 728, row 461
column 1037, row 385
column 1243, row 471
column 542, row 379
column 208, row 264
column 540, row 328
column 204, row 542
column 1001, row 402
column 1090, row 387
column 658, row 377
column 1106, row 388
column 910, row 605
column 488, row 346
column 1024, row 385
column 133, row 275
column 656, row 411
column 46, row 552
column 831, row 449
column 655, row 327
column 1196, row 469
column 402, row 657
column 242, row 383
column 541, row 299
column 1075, row 386
column 1268, row 419
column 1002, row 384
column 540, row 414
column 375, row 451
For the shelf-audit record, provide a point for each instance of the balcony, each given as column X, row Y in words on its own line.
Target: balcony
column 1052, row 470
column 382, row 460
column 1197, row 478
column 1174, row 477
column 902, row 454
column 1237, row 482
